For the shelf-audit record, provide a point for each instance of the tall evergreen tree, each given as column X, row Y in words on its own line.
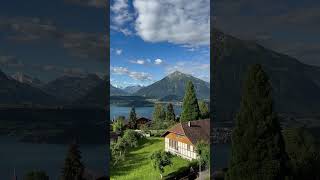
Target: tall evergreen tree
column 258, row 150
column 190, row 107
column 159, row 113
column 204, row 110
column 73, row 168
column 170, row 115
column 133, row 118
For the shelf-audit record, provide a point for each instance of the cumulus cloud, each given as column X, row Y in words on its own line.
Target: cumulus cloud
column 118, row 51
column 176, row 22
column 120, row 16
column 158, row 61
column 142, row 76
column 138, row 61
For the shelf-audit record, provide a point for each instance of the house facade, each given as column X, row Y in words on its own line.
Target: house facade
column 182, row 139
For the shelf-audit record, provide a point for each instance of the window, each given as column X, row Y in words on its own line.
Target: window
column 173, row 144
column 188, row 147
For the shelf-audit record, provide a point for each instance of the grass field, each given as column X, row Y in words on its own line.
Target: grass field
column 137, row 164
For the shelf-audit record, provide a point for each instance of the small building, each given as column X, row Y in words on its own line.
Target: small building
column 143, row 121
column 182, row 138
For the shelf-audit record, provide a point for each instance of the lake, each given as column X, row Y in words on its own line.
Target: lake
column 116, row 111
column 25, row 157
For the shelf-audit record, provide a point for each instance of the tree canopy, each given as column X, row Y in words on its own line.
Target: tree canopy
column 190, row 107
column 258, row 150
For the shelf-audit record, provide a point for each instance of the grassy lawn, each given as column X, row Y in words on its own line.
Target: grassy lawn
column 137, row 164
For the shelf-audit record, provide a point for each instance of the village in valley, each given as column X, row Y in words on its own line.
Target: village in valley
column 167, row 146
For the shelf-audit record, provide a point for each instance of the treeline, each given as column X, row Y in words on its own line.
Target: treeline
column 260, row 148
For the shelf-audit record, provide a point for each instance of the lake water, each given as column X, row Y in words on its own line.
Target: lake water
column 116, row 111
column 25, row 157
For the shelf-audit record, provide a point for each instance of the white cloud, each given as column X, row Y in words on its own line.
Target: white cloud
column 158, row 61
column 177, row 22
column 120, row 8
column 121, row 16
column 142, row 76
column 139, row 61
column 118, row 51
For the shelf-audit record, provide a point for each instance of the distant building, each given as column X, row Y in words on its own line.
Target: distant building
column 140, row 121
column 183, row 138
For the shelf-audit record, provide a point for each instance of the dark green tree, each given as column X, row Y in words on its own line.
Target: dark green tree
column 133, row 118
column 170, row 115
column 258, row 149
column 158, row 117
column 204, row 110
column 36, row 175
column 190, row 107
column 73, row 168
column 304, row 153
column 161, row 159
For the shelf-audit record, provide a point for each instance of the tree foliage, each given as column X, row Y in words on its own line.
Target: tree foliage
column 133, row 118
column 304, row 153
column 258, row 150
column 119, row 148
column 204, row 110
column 73, row 168
column 118, row 124
column 190, row 107
column 161, row 159
column 170, row 115
column 36, row 175
column 158, row 117
column 203, row 152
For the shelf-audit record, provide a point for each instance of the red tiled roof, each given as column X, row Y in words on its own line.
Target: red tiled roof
column 198, row 130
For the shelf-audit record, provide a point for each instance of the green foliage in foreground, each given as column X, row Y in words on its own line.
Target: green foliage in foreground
column 203, row 151
column 304, row 153
column 161, row 159
column 118, row 124
column 119, row 148
column 258, row 150
column 139, row 166
column 36, row 175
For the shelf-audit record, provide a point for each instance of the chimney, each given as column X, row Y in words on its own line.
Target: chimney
column 189, row 123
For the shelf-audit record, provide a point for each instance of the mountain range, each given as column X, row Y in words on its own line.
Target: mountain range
column 174, row 85
column 71, row 88
column 14, row 92
column 296, row 86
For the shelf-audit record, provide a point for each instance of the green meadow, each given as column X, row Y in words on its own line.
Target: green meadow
column 137, row 164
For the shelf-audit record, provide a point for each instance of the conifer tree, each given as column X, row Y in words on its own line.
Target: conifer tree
column 133, row 118
column 258, row 151
column 190, row 107
column 73, row 168
column 170, row 115
column 204, row 110
column 159, row 113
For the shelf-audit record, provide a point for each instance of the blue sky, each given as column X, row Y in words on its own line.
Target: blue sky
column 150, row 39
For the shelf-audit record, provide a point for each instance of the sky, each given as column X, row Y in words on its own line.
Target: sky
column 288, row 26
column 49, row 39
column 150, row 39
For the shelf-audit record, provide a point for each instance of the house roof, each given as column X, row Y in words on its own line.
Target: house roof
column 198, row 130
